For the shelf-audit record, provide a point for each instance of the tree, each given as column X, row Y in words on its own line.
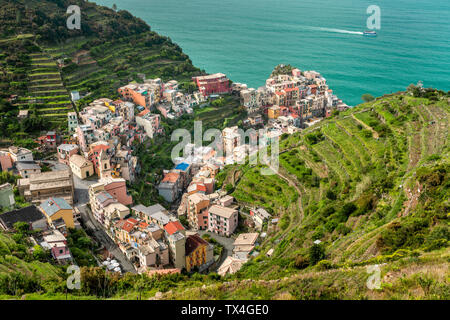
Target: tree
column 39, row 253
column 114, row 7
column 229, row 187
column 316, row 253
column 22, row 227
column 367, row 97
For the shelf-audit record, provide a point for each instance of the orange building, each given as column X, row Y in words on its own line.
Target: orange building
column 196, row 249
column 274, row 112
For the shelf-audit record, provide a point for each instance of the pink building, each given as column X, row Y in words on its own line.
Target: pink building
column 65, row 151
column 5, row 161
column 60, row 252
column 222, row 220
column 212, row 84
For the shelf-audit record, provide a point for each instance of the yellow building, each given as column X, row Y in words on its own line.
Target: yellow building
column 58, row 208
column 273, row 112
column 196, row 252
column 81, row 167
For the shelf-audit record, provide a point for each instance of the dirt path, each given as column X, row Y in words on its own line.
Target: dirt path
column 292, row 184
column 374, row 133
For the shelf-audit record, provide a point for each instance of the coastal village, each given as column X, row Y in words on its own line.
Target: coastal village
column 197, row 228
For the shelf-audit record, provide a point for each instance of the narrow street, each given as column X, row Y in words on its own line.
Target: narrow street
column 81, row 198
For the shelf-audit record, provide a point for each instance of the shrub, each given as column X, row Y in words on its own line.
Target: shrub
column 367, row 97
column 301, row 262
column 409, row 234
column 318, row 233
column 438, row 238
column 229, row 187
column 316, row 253
column 331, row 195
column 367, row 133
column 324, row 265
column 348, row 209
column 330, row 225
column 343, row 229
column 328, row 210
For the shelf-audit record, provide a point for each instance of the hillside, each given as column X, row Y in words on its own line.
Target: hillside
column 372, row 184
column 372, row 180
column 21, row 271
column 42, row 61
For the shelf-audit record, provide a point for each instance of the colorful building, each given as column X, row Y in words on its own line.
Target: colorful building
column 197, row 209
column 65, row 151
column 81, row 167
column 217, row 83
column 222, row 220
column 196, row 252
column 58, row 208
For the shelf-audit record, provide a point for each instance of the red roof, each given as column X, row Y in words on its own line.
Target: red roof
column 173, row 226
column 99, row 147
column 129, row 224
column 143, row 225
column 171, row 177
column 143, row 112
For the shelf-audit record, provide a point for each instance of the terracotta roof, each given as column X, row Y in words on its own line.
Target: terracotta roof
column 171, row 177
column 99, row 147
column 127, row 225
column 143, row 225
column 173, row 227
column 143, row 112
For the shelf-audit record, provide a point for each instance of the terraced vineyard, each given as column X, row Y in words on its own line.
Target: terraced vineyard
column 360, row 176
column 46, row 89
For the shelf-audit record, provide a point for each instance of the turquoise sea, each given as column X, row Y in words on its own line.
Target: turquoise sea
column 246, row 38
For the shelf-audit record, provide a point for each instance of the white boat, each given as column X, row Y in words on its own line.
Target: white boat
column 369, row 33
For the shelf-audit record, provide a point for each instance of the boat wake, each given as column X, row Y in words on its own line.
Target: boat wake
column 337, row 30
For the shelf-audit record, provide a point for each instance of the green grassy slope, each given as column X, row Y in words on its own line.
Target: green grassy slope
column 373, row 186
column 20, row 271
column 373, row 180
